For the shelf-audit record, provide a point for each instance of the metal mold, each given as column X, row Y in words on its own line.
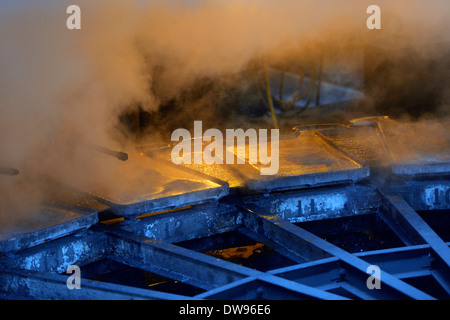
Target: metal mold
column 413, row 148
column 145, row 184
column 60, row 212
column 305, row 160
column 308, row 216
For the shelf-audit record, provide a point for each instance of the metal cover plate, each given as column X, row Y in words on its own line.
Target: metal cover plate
column 144, row 184
column 223, row 172
column 220, row 171
column 417, row 147
column 37, row 209
column 46, row 224
column 305, row 160
column 362, row 143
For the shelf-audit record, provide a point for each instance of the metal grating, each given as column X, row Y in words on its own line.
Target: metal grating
column 313, row 242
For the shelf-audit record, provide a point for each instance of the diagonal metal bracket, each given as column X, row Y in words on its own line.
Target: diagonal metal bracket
column 308, row 245
column 413, row 230
column 200, row 270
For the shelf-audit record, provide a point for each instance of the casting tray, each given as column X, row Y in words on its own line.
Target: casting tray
column 43, row 211
column 414, row 148
column 305, row 160
column 145, row 184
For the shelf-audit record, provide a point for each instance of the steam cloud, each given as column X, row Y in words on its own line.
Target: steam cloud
column 62, row 90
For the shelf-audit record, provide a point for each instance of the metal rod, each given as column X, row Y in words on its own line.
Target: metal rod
column 196, row 268
column 122, row 156
column 413, row 230
column 191, row 267
column 9, row 171
column 20, row 284
column 296, row 238
column 269, row 96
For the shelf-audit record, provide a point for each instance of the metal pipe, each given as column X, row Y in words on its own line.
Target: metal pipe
column 9, row 171
column 122, row 156
column 269, row 97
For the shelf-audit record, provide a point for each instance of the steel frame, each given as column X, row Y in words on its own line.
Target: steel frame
column 34, row 266
column 322, row 270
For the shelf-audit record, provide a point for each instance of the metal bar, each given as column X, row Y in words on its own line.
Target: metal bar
column 433, row 194
column 320, row 203
column 299, row 247
column 314, row 273
column 173, row 261
column 195, row 268
column 412, row 229
column 329, row 274
column 300, row 289
column 355, row 291
column 309, row 245
column 230, row 291
column 25, row 284
column 57, row 255
column 36, row 237
column 403, row 220
column 341, row 201
column 404, row 262
column 267, row 287
column 399, row 214
column 9, row 171
column 190, row 223
column 442, row 278
column 122, row 156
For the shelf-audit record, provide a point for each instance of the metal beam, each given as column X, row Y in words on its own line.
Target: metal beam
column 189, row 223
column 173, row 261
column 409, row 226
column 196, row 268
column 268, row 227
column 55, row 229
column 309, row 245
column 320, row 203
column 403, row 263
column 267, row 287
column 25, row 284
column 412, row 229
column 55, row 256
column 314, row 273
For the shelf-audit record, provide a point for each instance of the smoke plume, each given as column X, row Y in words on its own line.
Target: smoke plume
column 63, row 91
